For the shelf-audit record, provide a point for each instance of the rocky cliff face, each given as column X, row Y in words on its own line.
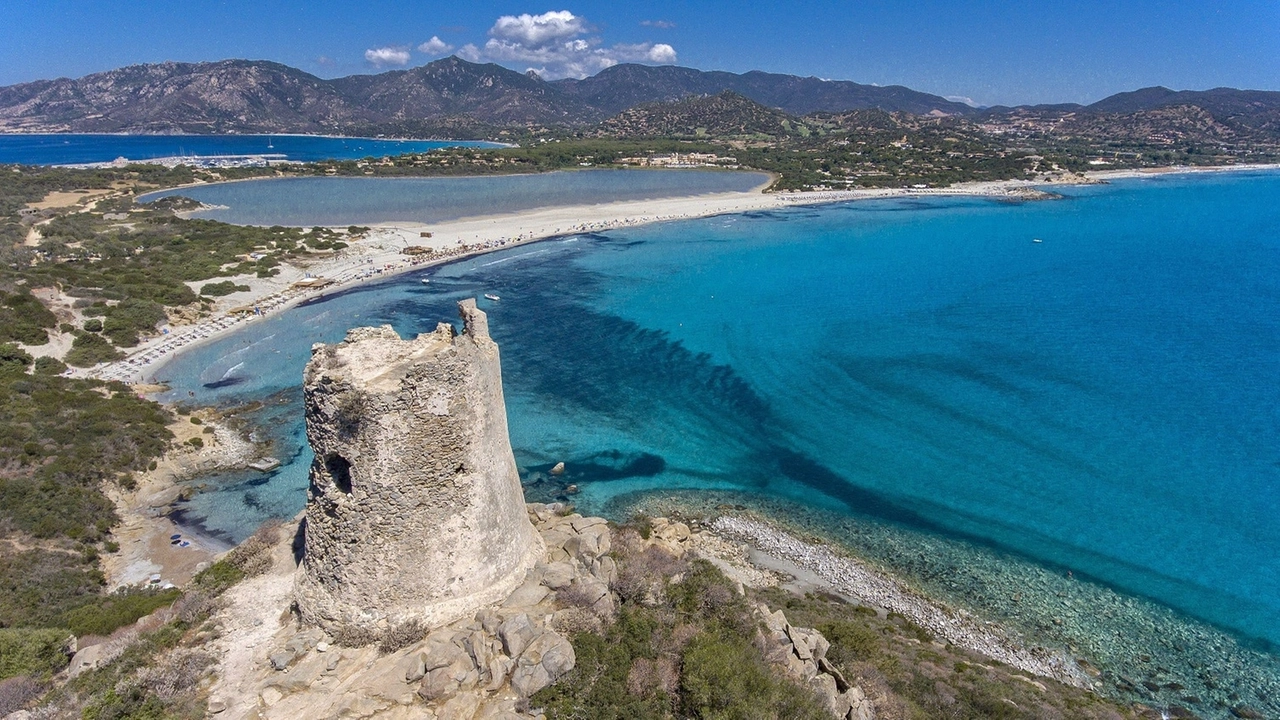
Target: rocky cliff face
column 415, row 514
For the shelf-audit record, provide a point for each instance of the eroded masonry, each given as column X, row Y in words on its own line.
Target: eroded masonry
column 416, row 512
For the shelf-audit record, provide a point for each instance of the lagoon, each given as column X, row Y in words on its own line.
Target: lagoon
column 914, row 377
column 337, row 201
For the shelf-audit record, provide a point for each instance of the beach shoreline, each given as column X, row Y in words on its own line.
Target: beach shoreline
column 378, row 254
column 149, row 554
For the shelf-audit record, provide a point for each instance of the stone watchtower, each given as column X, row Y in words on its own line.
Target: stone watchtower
column 415, row 511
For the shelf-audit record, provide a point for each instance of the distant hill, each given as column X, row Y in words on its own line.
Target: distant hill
column 1219, row 101
column 260, row 96
column 455, row 98
column 1154, row 115
column 624, row 86
column 727, row 114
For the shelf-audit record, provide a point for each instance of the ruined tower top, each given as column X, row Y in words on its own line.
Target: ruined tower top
column 415, row 511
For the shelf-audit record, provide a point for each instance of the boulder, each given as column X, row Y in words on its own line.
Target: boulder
column 558, row 575
column 87, row 658
column 415, row 667
column 547, row 658
column 529, row 594
column 489, row 620
column 282, row 659
column 516, row 634
column 499, row 668
column 606, row 569
column 825, row 687
column 860, row 706
column 438, row 684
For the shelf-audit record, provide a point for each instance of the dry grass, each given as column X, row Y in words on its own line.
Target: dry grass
column 402, row 636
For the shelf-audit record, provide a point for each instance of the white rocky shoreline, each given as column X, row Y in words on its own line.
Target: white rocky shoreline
column 851, row 577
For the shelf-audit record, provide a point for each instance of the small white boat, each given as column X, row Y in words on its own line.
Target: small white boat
column 426, row 281
column 1036, row 240
column 491, row 296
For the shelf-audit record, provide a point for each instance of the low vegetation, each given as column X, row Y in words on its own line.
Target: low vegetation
column 913, row 676
column 150, row 672
column 60, row 440
column 686, row 644
column 682, row 646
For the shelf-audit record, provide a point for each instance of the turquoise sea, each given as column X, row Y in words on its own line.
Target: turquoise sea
column 69, row 149
column 916, row 378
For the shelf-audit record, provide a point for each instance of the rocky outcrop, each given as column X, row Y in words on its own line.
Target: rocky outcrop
column 802, row 655
column 415, row 515
column 486, row 665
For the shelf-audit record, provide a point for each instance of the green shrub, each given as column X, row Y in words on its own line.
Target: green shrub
column 691, row 656
column 126, row 702
column 117, row 610
column 196, row 442
column 60, row 439
column 93, row 325
column 724, row 677
column 225, row 287
column 88, row 350
column 13, row 358
column 41, row 585
column 219, row 576
column 131, row 316
column 32, row 651
column 46, row 365
column 23, row 318
column 850, row 641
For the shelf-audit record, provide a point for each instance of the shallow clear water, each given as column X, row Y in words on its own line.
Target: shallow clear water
column 1104, row 401
column 68, row 149
column 353, row 201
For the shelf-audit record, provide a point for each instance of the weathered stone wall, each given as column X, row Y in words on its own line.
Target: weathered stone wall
column 415, row 510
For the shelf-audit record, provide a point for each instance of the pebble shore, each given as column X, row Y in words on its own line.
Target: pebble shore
column 851, row 577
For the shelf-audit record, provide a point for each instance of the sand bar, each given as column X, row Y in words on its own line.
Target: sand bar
column 379, row 254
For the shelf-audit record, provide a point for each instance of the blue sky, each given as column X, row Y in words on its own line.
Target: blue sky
column 992, row 52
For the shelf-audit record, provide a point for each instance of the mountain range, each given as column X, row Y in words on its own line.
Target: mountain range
column 457, row 97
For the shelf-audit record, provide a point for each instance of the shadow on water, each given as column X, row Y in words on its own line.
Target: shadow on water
column 589, row 363
column 543, row 484
column 810, row 473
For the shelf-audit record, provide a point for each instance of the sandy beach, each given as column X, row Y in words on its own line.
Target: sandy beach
column 378, row 254
column 149, row 554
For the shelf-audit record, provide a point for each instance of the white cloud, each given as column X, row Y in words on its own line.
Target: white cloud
column 385, row 56
column 435, row 46
column 538, row 30
column 660, row 24
column 962, row 99
column 557, row 45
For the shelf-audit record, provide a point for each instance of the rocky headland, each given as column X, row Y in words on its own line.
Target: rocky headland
column 425, row 586
column 419, row 584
